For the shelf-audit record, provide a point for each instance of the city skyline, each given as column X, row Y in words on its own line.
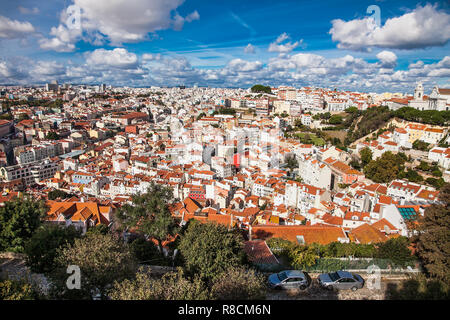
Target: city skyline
column 170, row 43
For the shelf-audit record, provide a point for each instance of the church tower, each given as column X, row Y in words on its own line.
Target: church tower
column 418, row 92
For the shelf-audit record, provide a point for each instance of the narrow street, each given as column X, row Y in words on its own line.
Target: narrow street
column 315, row 292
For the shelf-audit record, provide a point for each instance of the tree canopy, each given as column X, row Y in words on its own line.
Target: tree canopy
column 433, row 242
column 396, row 250
column 102, row 259
column 209, row 249
column 18, row 221
column 149, row 213
column 42, row 248
column 366, row 156
column 171, row 286
column 52, row 135
column 260, row 88
column 335, row 119
column 239, row 283
column 11, row 289
column 54, row 194
column 386, row 168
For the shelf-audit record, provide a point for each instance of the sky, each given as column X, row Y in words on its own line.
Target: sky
column 366, row 46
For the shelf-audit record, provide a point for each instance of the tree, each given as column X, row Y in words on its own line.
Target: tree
column 352, row 110
column 302, row 257
column 54, row 194
column 437, row 183
column 412, row 176
column 418, row 287
column 42, row 248
column 24, row 116
column 260, row 88
column 239, row 283
column 209, row 249
column 426, row 116
column 355, row 164
column 18, row 221
column 437, row 173
column 98, row 229
column 101, row 259
column 335, row 119
column 17, row 290
column 397, row 250
column 171, row 286
column 424, row 166
column 366, row 156
column 201, row 115
column 144, row 250
column 433, row 242
column 386, row 168
column 52, row 135
column 420, row 145
column 291, row 162
column 149, row 214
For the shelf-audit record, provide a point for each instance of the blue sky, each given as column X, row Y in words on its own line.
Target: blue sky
column 227, row 43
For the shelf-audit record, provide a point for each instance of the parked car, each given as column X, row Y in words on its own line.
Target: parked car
column 290, row 279
column 341, row 280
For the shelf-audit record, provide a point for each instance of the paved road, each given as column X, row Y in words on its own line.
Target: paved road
column 417, row 154
column 315, row 292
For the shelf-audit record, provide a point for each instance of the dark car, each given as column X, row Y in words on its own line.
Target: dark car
column 290, row 279
column 341, row 280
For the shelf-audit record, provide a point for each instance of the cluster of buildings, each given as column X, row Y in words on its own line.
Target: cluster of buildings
column 438, row 99
column 102, row 145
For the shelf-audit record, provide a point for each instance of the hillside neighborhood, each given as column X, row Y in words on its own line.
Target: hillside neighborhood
column 240, row 159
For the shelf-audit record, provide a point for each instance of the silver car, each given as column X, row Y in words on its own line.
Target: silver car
column 289, row 279
column 341, row 280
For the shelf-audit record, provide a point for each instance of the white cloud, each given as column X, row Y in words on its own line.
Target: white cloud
column 193, row 16
column 150, row 57
column 117, row 58
column 119, row 21
column 249, row 48
column 239, row 65
column 282, row 37
column 131, row 20
column 8, row 71
column 11, row 29
column 388, row 59
column 56, row 44
column 63, row 40
column 48, row 69
column 283, row 48
column 28, row 11
column 121, row 67
column 421, row 28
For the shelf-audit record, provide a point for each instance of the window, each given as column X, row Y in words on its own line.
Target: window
column 333, row 276
column 282, row 276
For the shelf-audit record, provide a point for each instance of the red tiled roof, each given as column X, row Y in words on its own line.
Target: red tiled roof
column 258, row 252
column 311, row 234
